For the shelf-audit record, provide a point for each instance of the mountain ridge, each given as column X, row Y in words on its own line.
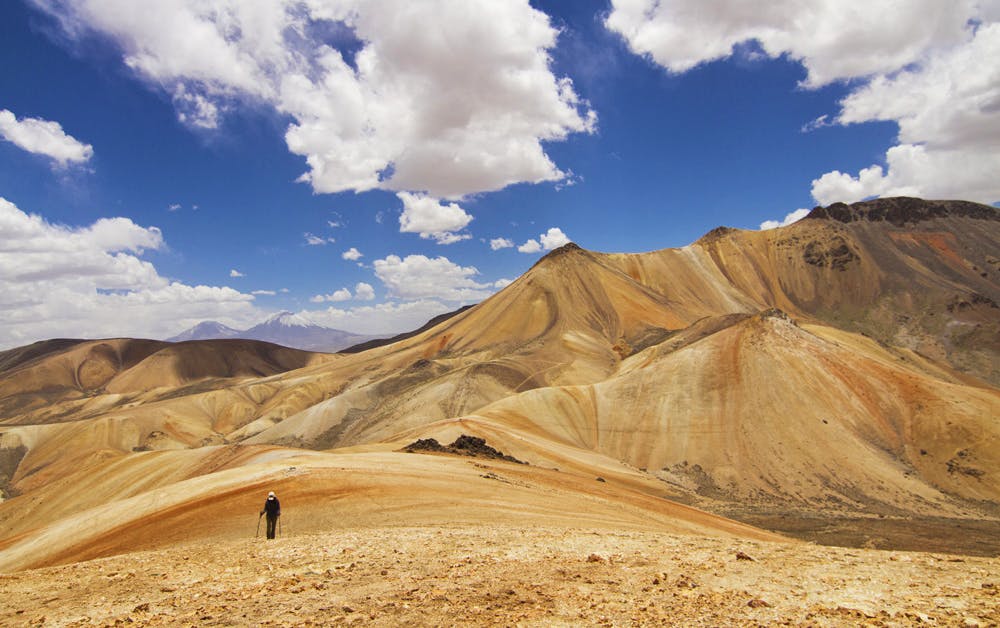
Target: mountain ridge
column 284, row 328
column 828, row 371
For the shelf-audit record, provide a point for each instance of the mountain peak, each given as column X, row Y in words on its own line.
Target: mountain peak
column 288, row 319
column 566, row 249
column 204, row 331
column 903, row 210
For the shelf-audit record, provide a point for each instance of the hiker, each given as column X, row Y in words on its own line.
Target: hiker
column 272, row 507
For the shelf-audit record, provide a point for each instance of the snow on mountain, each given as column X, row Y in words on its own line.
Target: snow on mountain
column 288, row 319
column 284, row 328
column 208, row 330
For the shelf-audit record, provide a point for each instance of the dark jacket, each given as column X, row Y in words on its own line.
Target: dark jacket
column 272, row 507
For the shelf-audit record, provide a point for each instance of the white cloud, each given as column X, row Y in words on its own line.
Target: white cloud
column 531, row 246
column 90, row 282
column 442, row 97
column 839, row 186
column 450, row 238
column 364, row 291
column 794, row 216
column 384, row 318
column 235, row 273
column 501, row 243
column 264, row 293
column 948, row 111
column 195, row 109
column 340, row 295
column 553, row 239
column 173, row 207
column 432, row 219
column 819, row 123
column 932, row 67
column 352, row 254
column 833, row 39
column 315, row 240
column 500, row 284
column 421, row 277
column 43, row 137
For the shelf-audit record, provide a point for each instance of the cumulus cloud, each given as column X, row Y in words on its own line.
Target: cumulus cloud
column 43, row 137
column 948, row 111
column 833, row 39
column 500, row 284
column 931, row 67
column 501, row 243
column 794, row 216
column 351, row 254
column 432, row 219
column 531, row 246
column 264, row 293
column 364, row 291
column 340, row 295
column 422, row 277
column 235, row 273
column 90, row 282
column 551, row 239
column 441, row 97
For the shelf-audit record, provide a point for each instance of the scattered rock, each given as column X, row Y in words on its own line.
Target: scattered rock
column 758, row 603
column 464, row 445
column 743, row 556
column 594, row 558
column 834, row 253
column 600, row 479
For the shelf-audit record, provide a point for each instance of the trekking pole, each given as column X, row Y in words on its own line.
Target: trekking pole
column 257, row 533
column 279, row 525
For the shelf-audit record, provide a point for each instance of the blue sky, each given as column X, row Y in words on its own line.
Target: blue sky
column 373, row 164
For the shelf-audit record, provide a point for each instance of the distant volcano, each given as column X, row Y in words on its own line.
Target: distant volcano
column 284, row 328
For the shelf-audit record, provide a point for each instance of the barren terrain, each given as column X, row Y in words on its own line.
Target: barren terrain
column 833, row 381
column 489, row 575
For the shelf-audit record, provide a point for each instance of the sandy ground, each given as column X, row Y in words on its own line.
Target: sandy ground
column 492, row 575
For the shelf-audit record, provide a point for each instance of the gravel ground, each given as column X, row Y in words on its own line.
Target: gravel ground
column 491, row 575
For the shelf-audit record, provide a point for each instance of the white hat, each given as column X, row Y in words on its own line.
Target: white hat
column 271, row 494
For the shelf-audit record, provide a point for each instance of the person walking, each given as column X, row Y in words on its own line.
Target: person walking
column 272, row 508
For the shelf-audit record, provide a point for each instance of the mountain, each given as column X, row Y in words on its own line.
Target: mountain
column 208, row 330
column 837, row 379
column 284, row 328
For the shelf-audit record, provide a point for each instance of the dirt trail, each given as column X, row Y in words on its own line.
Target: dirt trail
column 491, row 575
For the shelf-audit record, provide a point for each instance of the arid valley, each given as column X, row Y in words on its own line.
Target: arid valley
column 788, row 426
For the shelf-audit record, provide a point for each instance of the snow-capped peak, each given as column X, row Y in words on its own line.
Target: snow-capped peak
column 289, row 319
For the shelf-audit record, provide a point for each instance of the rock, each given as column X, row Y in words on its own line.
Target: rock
column 758, row 603
column 743, row 556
